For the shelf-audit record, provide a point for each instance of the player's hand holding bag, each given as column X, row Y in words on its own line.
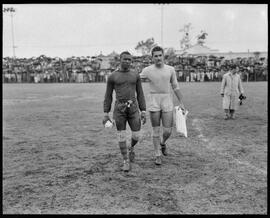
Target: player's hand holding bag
column 180, row 120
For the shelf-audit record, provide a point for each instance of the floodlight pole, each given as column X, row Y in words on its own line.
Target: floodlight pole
column 162, row 24
column 12, row 32
column 11, row 10
column 248, row 72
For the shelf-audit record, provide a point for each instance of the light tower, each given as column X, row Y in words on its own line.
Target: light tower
column 161, row 22
column 162, row 8
column 11, row 10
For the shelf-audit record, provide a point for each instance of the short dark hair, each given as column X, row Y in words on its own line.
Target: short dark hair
column 157, row 48
column 124, row 53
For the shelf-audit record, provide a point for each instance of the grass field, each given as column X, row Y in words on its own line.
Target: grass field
column 58, row 158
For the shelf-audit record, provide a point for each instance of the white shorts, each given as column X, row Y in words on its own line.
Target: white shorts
column 160, row 102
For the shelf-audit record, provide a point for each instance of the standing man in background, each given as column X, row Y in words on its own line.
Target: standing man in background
column 126, row 84
column 162, row 78
column 231, row 86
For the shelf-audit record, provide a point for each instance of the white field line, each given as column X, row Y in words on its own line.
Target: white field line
column 208, row 144
column 34, row 98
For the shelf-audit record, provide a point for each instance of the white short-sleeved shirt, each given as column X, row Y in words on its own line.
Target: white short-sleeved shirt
column 161, row 79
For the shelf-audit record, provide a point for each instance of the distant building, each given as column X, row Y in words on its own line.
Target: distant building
column 201, row 50
column 233, row 55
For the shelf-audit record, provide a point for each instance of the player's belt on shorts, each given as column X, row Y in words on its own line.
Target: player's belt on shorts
column 125, row 102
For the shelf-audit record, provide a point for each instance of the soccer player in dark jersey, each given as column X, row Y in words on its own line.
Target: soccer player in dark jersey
column 129, row 106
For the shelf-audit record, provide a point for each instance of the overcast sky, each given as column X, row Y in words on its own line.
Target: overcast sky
column 64, row 30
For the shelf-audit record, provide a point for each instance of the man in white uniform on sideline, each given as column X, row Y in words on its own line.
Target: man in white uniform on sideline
column 162, row 79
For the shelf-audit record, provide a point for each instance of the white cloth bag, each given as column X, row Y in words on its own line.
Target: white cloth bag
column 180, row 121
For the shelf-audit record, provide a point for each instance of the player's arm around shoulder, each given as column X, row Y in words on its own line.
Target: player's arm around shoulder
column 144, row 73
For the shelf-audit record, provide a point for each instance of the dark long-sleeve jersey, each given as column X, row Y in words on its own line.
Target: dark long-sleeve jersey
column 127, row 86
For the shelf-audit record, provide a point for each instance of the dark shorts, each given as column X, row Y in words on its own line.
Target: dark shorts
column 122, row 115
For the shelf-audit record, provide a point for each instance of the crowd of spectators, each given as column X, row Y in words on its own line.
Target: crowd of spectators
column 212, row 68
column 49, row 70
column 88, row 69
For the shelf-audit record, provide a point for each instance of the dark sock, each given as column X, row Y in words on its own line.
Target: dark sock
column 123, row 150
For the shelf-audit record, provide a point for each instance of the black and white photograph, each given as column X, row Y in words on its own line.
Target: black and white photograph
column 146, row 108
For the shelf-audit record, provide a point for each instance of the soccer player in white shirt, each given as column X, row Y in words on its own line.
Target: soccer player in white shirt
column 162, row 78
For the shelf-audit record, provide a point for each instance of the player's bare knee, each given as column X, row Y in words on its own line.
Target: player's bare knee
column 156, row 131
column 135, row 135
column 121, row 135
column 167, row 131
